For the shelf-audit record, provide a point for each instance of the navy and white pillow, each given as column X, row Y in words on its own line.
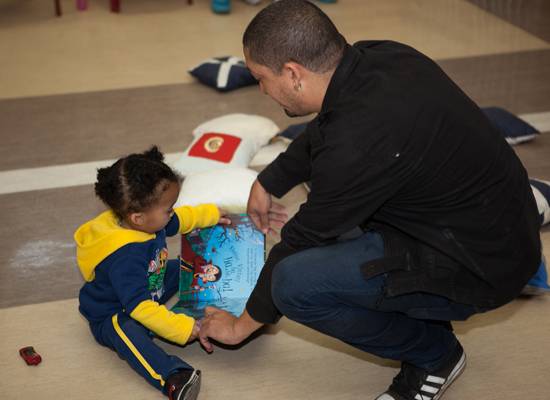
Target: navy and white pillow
column 514, row 129
column 541, row 190
column 224, row 73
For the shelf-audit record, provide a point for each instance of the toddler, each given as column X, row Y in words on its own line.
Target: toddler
column 123, row 256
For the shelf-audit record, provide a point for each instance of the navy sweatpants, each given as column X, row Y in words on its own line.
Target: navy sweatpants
column 132, row 341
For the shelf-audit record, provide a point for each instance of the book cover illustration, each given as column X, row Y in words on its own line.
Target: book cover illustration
column 220, row 266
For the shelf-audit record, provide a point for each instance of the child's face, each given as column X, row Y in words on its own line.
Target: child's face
column 158, row 216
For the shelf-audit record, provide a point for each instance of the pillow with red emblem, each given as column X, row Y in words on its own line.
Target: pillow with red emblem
column 215, row 150
column 228, row 141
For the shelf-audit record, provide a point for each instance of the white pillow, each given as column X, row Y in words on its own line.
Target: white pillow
column 268, row 153
column 254, row 127
column 226, row 188
column 215, row 151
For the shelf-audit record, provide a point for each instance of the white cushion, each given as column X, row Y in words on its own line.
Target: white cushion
column 268, row 153
column 226, row 188
column 255, row 127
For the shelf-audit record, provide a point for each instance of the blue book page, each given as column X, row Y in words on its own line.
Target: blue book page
column 220, row 266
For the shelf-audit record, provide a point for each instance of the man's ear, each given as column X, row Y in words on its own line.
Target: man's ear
column 136, row 219
column 294, row 71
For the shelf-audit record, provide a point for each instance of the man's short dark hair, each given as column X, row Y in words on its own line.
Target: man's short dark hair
column 294, row 31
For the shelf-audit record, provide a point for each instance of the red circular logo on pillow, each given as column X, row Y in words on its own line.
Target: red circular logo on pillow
column 216, row 146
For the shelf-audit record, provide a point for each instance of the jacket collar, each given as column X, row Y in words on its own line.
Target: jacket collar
column 351, row 54
column 341, row 73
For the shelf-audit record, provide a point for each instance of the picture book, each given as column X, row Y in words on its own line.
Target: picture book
column 220, row 266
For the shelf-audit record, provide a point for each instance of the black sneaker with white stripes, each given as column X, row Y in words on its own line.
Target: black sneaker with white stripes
column 414, row 383
column 183, row 385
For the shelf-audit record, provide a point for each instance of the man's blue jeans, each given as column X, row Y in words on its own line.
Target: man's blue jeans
column 323, row 288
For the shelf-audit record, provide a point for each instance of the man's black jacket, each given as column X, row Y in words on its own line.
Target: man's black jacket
column 400, row 149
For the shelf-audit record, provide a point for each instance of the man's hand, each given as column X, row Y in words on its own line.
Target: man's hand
column 259, row 204
column 225, row 327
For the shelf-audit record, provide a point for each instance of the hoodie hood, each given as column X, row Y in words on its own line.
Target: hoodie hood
column 101, row 237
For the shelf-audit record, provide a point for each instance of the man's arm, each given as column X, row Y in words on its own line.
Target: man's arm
column 225, row 327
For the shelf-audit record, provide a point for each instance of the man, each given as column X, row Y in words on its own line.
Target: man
column 419, row 211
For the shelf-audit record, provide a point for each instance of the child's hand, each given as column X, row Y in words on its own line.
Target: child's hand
column 195, row 333
column 223, row 213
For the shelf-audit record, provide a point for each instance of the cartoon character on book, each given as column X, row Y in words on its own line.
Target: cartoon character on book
column 210, row 273
column 204, row 273
column 236, row 249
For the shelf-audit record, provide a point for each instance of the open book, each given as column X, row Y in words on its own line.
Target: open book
column 220, row 266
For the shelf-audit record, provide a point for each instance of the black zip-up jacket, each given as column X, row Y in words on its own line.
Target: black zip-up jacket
column 400, row 149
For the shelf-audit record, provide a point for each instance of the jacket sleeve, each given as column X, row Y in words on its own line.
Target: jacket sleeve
column 349, row 185
column 174, row 327
column 190, row 218
column 289, row 169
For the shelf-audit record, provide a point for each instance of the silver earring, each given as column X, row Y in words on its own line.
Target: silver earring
column 297, row 88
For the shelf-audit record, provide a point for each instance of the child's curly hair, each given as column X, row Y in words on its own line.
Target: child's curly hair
column 134, row 183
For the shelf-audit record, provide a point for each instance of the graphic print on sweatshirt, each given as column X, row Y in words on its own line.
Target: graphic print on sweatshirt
column 156, row 272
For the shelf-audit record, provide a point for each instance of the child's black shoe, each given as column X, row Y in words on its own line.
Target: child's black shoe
column 183, row 385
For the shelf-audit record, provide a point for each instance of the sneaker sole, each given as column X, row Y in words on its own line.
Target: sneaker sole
column 454, row 374
column 193, row 387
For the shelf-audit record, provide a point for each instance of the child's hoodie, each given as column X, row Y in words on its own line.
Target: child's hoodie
column 125, row 269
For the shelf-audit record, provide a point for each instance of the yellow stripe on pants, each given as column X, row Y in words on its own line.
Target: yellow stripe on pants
column 134, row 350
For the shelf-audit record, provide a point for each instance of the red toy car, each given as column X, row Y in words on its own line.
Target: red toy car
column 30, row 356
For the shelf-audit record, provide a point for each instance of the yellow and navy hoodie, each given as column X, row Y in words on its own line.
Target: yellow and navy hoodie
column 124, row 270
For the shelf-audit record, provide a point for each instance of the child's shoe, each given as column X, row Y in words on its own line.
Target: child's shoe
column 221, row 6
column 183, row 385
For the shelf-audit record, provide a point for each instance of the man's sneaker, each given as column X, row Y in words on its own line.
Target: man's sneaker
column 413, row 383
column 183, row 385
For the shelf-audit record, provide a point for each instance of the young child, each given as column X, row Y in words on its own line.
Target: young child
column 123, row 256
